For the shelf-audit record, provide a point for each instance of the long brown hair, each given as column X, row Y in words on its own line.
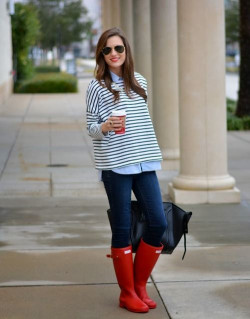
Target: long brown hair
column 102, row 70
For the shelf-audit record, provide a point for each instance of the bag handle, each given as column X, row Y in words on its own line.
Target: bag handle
column 185, row 245
column 185, row 231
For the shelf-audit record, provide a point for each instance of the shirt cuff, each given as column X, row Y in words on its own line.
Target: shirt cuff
column 95, row 131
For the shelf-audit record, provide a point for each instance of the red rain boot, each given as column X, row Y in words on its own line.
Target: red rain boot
column 145, row 259
column 123, row 264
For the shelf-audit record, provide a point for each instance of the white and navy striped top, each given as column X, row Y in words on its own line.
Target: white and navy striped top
column 138, row 144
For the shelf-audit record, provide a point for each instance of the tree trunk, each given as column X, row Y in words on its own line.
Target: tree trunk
column 243, row 106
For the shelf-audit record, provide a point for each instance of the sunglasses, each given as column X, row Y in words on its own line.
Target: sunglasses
column 118, row 48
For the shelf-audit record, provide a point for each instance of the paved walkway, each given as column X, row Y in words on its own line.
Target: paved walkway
column 54, row 232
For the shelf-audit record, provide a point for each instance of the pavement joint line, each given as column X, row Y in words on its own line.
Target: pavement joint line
column 115, row 283
column 50, row 141
column 202, row 280
column 50, row 185
column 8, row 117
column 45, row 207
column 212, row 246
column 159, row 294
column 100, row 247
column 59, row 248
column 59, row 285
column 16, row 136
column 52, row 249
column 50, row 159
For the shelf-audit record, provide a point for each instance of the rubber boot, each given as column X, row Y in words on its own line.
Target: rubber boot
column 145, row 259
column 123, row 264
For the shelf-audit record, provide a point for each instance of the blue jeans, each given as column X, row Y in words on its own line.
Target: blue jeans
column 146, row 188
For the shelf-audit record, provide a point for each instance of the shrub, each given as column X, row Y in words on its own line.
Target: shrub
column 47, row 69
column 235, row 123
column 25, row 30
column 48, row 83
column 246, row 122
column 231, row 106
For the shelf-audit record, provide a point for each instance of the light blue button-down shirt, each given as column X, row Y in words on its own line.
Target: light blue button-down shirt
column 135, row 168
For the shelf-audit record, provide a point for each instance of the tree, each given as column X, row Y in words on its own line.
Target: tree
column 232, row 21
column 25, row 30
column 243, row 105
column 62, row 22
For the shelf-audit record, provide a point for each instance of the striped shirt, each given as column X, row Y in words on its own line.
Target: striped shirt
column 138, row 144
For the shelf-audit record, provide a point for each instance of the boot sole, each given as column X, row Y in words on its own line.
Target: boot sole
column 133, row 310
column 151, row 307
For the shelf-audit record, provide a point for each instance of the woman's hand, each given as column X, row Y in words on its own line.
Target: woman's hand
column 112, row 124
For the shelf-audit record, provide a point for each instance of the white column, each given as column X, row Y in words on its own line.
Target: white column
column 110, row 14
column 203, row 174
column 142, row 43
column 115, row 7
column 126, row 18
column 106, row 14
column 165, row 77
column 6, row 81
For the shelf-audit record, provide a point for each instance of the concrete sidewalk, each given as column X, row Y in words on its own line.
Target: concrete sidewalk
column 55, row 234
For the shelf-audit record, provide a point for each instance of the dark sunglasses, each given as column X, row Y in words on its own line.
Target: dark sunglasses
column 118, row 48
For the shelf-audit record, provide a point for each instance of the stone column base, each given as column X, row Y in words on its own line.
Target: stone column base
column 180, row 196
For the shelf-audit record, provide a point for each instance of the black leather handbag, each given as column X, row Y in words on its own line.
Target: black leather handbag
column 177, row 221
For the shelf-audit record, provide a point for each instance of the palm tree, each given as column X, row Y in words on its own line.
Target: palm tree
column 243, row 106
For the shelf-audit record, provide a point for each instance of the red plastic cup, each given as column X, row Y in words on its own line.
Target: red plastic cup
column 122, row 116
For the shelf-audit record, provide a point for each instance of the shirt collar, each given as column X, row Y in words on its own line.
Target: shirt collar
column 115, row 77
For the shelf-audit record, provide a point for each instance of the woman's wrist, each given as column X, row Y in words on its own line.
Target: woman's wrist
column 104, row 127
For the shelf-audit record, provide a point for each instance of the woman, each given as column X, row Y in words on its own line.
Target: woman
column 126, row 162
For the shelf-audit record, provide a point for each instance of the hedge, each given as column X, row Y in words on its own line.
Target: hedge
column 48, row 83
column 47, row 69
column 25, row 31
column 235, row 123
